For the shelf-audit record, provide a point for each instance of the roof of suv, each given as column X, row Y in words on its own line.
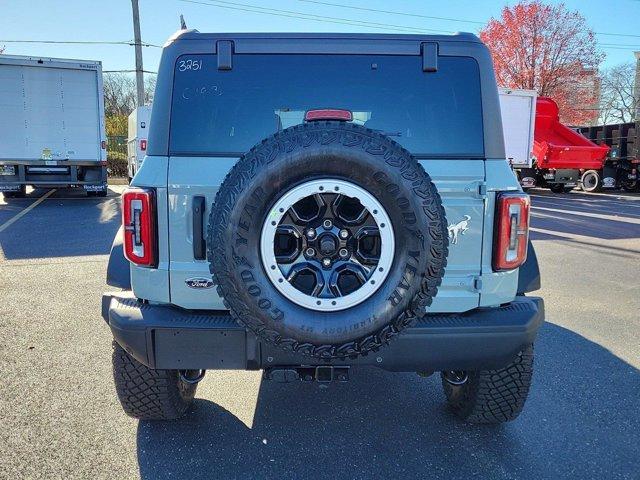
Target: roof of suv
column 196, row 35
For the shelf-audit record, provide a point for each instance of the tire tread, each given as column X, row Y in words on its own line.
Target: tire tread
column 493, row 396
column 149, row 394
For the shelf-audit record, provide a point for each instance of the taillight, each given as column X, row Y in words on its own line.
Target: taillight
column 328, row 114
column 138, row 220
column 511, row 230
column 143, row 145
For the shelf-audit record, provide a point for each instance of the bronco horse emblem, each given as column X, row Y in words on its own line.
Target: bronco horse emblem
column 457, row 229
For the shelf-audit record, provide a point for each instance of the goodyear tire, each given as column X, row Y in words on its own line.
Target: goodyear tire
column 490, row 396
column 148, row 394
column 355, row 218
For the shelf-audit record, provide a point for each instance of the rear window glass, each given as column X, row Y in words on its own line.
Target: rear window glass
column 227, row 112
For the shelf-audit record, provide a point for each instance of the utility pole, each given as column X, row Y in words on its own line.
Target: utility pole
column 636, row 91
column 138, row 47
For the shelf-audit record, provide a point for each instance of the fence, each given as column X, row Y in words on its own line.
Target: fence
column 117, row 155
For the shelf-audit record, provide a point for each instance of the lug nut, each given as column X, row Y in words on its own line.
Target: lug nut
column 326, row 262
column 310, row 252
column 311, row 233
column 327, row 224
column 344, row 234
column 343, row 252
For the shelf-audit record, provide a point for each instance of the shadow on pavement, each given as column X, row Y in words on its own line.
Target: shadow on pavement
column 65, row 224
column 580, row 422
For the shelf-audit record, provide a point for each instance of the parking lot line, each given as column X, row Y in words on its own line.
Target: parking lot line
column 600, row 216
column 22, row 213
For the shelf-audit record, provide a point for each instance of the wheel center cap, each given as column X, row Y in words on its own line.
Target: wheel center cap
column 328, row 244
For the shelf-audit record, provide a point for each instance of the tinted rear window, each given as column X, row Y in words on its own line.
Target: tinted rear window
column 227, row 112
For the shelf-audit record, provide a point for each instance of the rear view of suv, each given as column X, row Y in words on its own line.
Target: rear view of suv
column 312, row 203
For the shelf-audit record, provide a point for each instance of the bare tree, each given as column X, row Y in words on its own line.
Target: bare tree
column 617, row 102
column 120, row 93
column 149, row 88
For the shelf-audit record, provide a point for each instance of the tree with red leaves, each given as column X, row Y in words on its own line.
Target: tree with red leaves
column 549, row 49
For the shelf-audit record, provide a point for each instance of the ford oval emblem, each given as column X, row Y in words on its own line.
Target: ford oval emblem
column 199, row 282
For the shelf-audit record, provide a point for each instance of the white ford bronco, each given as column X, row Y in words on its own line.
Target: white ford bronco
column 313, row 203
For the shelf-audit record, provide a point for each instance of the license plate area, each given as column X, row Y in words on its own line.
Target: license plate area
column 49, row 170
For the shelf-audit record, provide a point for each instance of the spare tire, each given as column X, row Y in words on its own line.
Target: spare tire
column 327, row 239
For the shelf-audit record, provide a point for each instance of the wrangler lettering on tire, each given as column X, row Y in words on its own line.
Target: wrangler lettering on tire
column 327, row 239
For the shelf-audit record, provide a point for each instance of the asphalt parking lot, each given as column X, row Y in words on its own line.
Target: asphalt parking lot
column 60, row 418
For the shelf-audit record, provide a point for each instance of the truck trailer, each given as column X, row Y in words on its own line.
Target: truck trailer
column 137, row 133
column 52, row 131
column 518, row 111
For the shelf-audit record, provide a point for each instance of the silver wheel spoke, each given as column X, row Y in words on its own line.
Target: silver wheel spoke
column 335, row 245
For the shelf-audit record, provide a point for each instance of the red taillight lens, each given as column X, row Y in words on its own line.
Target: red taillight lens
column 139, row 222
column 328, row 114
column 143, row 145
column 511, row 231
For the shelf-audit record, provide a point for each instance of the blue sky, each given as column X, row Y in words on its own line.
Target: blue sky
column 91, row 20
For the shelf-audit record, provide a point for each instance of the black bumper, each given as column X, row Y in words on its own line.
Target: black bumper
column 166, row 337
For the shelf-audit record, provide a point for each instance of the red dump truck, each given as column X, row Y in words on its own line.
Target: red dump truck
column 559, row 154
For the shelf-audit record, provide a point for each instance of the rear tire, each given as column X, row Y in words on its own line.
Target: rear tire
column 490, row 396
column 630, row 186
column 591, row 181
column 559, row 188
column 149, row 394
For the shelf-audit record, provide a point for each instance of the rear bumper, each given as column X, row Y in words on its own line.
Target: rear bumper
column 90, row 174
column 166, row 337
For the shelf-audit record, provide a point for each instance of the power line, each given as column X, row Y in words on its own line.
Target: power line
column 618, row 34
column 83, row 42
column 391, row 12
column 128, row 71
column 448, row 19
column 619, row 48
column 619, row 45
column 307, row 16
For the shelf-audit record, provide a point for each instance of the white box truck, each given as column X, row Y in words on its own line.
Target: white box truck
column 518, row 109
column 137, row 134
column 52, row 130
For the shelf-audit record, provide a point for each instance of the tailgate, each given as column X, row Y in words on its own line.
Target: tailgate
column 458, row 181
